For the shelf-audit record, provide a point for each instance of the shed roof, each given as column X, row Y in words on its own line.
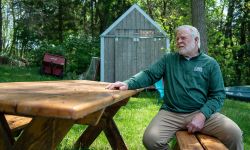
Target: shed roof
column 136, row 7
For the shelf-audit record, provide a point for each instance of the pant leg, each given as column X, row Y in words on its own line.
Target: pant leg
column 161, row 129
column 226, row 130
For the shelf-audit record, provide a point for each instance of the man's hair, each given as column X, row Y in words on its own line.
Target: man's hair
column 194, row 32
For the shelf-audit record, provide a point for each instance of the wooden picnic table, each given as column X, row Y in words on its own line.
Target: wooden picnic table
column 55, row 106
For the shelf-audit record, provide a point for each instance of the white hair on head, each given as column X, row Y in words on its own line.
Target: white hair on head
column 194, row 32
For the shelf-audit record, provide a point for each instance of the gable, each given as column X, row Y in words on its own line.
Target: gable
column 134, row 22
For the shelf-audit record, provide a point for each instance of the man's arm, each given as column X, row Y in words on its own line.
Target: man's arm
column 149, row 76
column 142, row 79
column 216, row 93
column 215, row 99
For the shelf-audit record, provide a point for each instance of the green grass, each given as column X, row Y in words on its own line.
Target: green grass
column 131, row 119
column 16, row 74
column 136, row 115
column 239, row 112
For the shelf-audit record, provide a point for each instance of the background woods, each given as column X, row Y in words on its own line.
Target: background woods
column 72, row 28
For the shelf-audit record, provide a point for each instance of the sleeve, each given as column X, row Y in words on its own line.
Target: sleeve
column 149, row 76
column 216, row 92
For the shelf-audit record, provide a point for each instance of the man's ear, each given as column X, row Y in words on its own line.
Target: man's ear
column 196, row 40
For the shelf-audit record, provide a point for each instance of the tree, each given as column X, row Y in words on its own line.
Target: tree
column 228, row 26
column 198, row 21
column 1, row 26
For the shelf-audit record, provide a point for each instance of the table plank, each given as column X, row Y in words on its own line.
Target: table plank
column 188, row 141
column 210, row 143
column 71, row 99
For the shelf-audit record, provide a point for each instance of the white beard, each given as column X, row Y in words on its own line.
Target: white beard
column 188, row 50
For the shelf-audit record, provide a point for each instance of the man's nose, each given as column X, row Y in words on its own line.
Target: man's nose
column 179, row 40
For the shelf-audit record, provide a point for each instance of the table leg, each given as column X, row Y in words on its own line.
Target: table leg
column 6, row 138
column 113, row 135
column 107, row 125
column 43, row 134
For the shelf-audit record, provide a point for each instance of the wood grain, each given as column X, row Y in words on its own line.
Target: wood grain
column 17, row 122
column 43, row 133
column 210, row 143
column 187, row 141
column 91, row 119
column 6, row 139
column 107, row 125
column 71, row 99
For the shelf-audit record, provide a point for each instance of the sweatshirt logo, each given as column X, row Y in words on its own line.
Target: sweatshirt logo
column 198, row 69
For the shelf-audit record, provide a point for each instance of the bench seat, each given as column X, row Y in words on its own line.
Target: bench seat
column 17, row 123
column 198, row 141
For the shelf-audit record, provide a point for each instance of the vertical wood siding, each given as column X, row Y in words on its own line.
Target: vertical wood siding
column 128, row 51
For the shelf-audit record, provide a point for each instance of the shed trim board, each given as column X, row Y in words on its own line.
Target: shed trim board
column 135, row 6
column 128, row 36
column 102, row 59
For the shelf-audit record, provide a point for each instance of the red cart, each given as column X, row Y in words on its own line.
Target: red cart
column 53, row 65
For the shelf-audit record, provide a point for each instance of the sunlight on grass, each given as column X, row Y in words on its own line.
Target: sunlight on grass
column 131, row 119
column 17, row 74
column 239, row 112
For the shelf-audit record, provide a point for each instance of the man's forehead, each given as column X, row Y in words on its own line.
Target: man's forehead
column 183, row 33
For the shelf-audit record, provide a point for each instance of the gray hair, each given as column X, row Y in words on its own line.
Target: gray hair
column 194, row 32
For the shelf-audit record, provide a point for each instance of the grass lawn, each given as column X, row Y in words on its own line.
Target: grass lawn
column 136, row 115
column 15, row 74
column 131, row 119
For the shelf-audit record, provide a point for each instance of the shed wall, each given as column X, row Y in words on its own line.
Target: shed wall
column 125, row 57
column 131, row 46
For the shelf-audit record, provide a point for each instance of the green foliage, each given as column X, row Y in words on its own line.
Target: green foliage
column 78, row 51
column 31, row 28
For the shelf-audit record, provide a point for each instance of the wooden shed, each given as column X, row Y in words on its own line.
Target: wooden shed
column 130, row 44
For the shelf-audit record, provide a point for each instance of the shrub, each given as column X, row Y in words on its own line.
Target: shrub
column 77, row 50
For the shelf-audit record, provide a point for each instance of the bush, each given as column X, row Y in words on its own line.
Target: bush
column 78, row 51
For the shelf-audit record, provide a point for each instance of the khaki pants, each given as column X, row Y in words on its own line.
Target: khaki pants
column 164, row 125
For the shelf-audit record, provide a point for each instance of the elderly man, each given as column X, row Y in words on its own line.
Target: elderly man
column 194, row 94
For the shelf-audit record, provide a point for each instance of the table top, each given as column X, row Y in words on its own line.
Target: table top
column 69, row 99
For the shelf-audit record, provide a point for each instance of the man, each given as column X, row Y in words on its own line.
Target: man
column 194, row 94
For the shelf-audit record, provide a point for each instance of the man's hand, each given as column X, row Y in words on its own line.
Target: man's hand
column 117, row 86
column 197, row 123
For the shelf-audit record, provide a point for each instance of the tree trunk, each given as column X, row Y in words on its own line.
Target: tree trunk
column 228, row 25
column 13, row 42
column 199, row 21
column 60, row 21
column 1, row 26
column 243, row 43
column 150, row 8
column 92, row 17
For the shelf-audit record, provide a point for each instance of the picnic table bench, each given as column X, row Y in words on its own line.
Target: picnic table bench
column 55, row 106
column 17, row 123
column 197, row 141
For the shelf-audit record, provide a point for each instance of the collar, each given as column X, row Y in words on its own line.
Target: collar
column 192, row 58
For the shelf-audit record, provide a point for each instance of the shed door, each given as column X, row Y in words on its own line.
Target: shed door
column 135, row 54
column 125, row 58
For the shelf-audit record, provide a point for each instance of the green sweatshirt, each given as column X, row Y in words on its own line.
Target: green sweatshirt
column 189, row 85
